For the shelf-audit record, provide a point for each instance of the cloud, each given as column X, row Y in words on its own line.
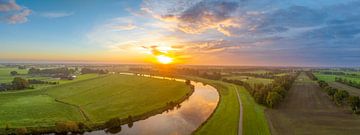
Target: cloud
column 9, row 5
column 12, row 13
column 258, row 30
column 129, row 26
column 20, row 17
column 56, row 14
column 195, row 18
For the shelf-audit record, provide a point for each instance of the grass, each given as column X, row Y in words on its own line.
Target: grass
column 33, row 109
column 101, row 98
column 254, row 120
column 119, row 95
column 331, row 78
column 225, row 118
column 251, row 80
column 5, row 76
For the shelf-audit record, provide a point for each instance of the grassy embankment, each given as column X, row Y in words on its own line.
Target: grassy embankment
column 225, row 119
column 99, row 98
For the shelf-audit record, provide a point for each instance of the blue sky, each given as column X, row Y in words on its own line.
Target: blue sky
column 231, row 32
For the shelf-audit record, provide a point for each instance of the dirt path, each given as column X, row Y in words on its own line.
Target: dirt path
column 82, row 112
column 240, row 129
column 307, row 110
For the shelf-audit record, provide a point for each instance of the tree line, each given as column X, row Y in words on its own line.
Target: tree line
column 267, row 75
column 311, row 75
column 64, row 71
column 19, row 83
column 349, row 82
column 340, row 97
column 91, row 71
column 270, row 94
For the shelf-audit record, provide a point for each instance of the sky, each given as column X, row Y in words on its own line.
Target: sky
column 196, row 32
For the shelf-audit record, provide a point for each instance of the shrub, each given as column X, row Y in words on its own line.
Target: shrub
column 113, row 123
column 21, row 131
column 65, row 127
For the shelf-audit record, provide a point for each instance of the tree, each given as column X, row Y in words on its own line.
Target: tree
column 340, row 96
column 273, row 98
column 20, row 83
column 13, row 73
column 113, row 123
column 354, row 102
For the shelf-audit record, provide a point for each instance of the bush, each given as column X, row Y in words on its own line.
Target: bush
column 65, row 127
column 113, row 123
column 273, row 98
column 340, row 96
column 354, row 102
column 21, row 131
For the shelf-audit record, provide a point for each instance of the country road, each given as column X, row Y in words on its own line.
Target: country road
column 240, row 130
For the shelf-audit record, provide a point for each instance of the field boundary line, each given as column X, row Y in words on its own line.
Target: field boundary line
column 240, row 128
column 82, row 112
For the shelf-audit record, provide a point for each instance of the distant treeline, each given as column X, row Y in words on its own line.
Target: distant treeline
column 348, row 82
column 338, row 73
column 35, row 81
column 267, row 75
column 56, row 72
column 311, row 75
column 90, row 71
column 270, row 94
column 19, row 83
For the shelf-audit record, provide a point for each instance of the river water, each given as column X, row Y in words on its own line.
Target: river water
column 180, row 121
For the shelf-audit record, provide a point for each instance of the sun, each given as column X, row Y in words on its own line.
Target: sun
column 164, row 59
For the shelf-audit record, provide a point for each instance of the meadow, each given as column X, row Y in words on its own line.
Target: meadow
column 225, row 119
column 251, row 80
column 99, row 98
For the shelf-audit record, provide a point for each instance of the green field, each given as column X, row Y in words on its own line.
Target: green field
column 100, row 98
column 251, row 80
column 331, row 78
column 5, row 76
column 254, row 119
column 225, row 119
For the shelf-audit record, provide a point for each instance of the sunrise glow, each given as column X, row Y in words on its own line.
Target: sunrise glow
column 164, row 59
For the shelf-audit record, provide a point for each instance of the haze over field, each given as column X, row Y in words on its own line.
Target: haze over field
column 200, row 32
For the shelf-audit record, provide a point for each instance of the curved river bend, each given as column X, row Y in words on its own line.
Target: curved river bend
column 180, row 121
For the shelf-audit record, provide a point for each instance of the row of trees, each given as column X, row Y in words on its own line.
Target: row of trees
column 35, row 81
column 268, row 75
column 90, row 71
column 18, row 83
column 341, row 97
column 348, row 82
column 311, row 75
column 271, row 94
column 51, row 71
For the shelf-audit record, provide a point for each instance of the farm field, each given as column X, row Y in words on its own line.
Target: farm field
column 352, row 90
column 5, row 76
column 100, row 98
column 331, row 78
column 308, row 110
column 254, row 120
column 251, row 80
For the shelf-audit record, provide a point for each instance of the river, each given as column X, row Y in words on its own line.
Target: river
column 182, row 120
